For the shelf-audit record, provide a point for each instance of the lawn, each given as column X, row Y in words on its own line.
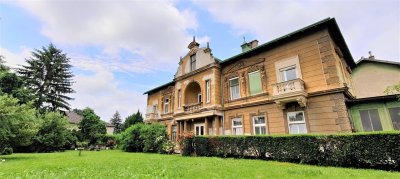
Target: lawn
column 118, row 164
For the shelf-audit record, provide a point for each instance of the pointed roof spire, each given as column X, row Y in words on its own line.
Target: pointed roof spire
column 193, row 43
column 208, row 49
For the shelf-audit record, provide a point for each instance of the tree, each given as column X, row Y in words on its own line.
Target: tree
column 133, row 119
column 2, row 66
column 48, row 75
column 116, row 121
column 394, row 89
column 53, row 134
column 91, row 126
column 18, row 123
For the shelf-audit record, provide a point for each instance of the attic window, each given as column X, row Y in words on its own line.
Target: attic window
column 193, row 62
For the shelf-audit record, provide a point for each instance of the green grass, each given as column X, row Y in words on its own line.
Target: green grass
column 118, row 164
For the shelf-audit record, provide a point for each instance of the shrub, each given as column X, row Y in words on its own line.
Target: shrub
column 168, row 147
column 142, row 138
column 362, row 150
column 7, row 151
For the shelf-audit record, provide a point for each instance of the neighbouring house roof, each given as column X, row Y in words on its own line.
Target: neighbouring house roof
column 73, row 117
column 329, row 23
column 374, row 60
column 159, row 87
column 108, row 124
column 372, row 99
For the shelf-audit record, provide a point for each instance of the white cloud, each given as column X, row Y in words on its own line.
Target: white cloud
column 154, row 30
column 14, row 60
column 366, row 25
column 100, row 91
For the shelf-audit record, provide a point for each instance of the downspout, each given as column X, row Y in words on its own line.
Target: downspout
column 222, row 103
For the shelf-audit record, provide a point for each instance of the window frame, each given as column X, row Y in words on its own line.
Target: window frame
column 208, row 91
column 296, row 122
column 230, row 88
column 200, row 125
column 282, row 74
column 370, row 119
column 193, row 62
column 239, row 126
column 260, row 125
column 174, row 132
column 179, row 98
column 166, row 105
column 261, row 86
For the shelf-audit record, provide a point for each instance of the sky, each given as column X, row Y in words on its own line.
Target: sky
column 121, row 48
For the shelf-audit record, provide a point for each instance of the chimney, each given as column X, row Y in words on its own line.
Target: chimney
column 253, row 44
column 248, row 46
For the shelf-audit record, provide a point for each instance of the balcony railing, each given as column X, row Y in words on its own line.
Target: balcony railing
column 289, row 91
column 192, row 107
column 286, row 87
column 150, row 116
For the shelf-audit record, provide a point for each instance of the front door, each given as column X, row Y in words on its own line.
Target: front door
column 199, row 129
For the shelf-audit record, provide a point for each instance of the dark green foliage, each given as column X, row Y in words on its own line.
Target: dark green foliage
column 117, row 122
column 53, row 134
column 106, row 140
column 143, row 138
column 18, row 123
column 48, row 75
column 91, row 126
column 366, row 150
column 133, row 119
column 13, row 85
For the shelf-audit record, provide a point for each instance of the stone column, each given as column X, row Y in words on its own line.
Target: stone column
column 185, row 126
column 206, row 126
column 178, row 129
column 217, row 125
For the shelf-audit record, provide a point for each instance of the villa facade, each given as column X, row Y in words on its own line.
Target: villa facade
column 298, row 83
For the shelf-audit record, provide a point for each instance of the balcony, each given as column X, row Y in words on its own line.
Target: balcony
column 151, row 116
column 289, row 91
column 192, row 107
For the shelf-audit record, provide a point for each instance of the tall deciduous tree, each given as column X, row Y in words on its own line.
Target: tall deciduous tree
column 18, row 123
column 91, row 126
column 48, row 75
column 117, row 122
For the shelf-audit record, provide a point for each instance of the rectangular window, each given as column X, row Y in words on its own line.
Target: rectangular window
column 255, row 83
column 370, row 120
column 199, row 129
column 234, row 88
column 237, row 127
column 288, row 73
column 166, row 105
column 193, row 62
column 296, row 122
column 208, row 91
column 173, row 135
column 179, row 99
column 395, row 116
column 199, row 98
column 259, row 125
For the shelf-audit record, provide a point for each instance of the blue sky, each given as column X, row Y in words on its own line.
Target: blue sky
column 121, row 48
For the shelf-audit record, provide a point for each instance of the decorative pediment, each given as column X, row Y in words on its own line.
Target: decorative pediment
column 244, row 64
column 169, row 90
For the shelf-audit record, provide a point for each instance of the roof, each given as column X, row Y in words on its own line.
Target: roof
column 73, row 117
column 159, row 87
column 374, row 60
column 329, row 23
column 372, row 99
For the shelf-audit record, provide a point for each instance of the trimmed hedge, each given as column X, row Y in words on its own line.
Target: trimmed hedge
column 362, row 150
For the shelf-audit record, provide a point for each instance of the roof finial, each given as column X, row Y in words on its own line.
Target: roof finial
column 370, row 55
column 208, row 44
column 244, row 39
column 194, row 38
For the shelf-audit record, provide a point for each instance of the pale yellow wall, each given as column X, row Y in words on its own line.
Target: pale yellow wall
column 371, row 79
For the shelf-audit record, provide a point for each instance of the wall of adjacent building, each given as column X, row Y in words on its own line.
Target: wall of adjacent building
column 371, row 79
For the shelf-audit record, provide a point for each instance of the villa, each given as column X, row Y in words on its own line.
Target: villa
column 299, row 83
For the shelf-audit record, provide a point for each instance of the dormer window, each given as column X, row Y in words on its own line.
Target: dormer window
column 193, row 62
